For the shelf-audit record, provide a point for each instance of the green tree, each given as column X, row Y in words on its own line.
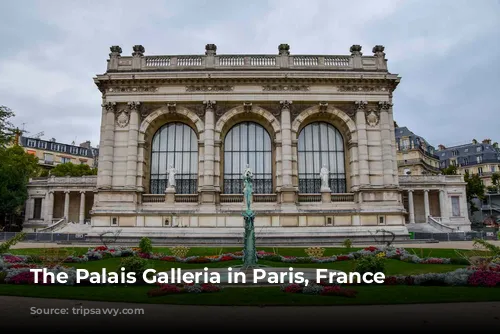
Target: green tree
column 495, row 181
column 450, row 170
column 6, row 128
column 71, row 169
column 474, row 189
column 16, row 167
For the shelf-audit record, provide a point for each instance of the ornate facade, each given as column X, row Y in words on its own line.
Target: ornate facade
column 285, row 116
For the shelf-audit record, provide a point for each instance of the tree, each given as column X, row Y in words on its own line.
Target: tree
column 474, row 189
column 6, row 128
column 450, row 170
column 495, row 181
column 71, row 169
column 16, row 167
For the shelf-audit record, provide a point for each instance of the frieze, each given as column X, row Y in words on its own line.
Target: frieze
column 223, row 107
column 204, row 88
column 281, row 88
column 136, row 89
column 363, row 89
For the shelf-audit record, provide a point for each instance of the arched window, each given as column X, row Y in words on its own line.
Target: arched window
column 321, row 144
column 248, row 143
column 174, row 144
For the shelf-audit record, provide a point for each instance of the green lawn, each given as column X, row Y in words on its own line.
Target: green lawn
column 259, row 296
column 285, row 251
column 393, row 267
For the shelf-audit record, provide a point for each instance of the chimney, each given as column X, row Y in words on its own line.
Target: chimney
column 86, row 144
column 487, row 141
column 441, row 147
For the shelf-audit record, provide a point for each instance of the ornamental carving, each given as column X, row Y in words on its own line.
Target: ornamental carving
column 110, row 106
column 362, row 89
column 123, row 117
column 298, row 108
column 223, row 107
column 281, row 88
column 135, row 89
column 372, row 117
column 203, row 88
column 384, row 105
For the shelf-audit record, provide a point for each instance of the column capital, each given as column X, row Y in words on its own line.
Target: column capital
column 134, row 105
column 426, row 190
column 411, row 190
column 360, row 105
column 67, row 191
column 109, row 106
column 82, row 191
column 209, row 105
column 286, row 104
column 50, row 192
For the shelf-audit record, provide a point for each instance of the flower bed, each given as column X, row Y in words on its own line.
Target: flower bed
column 401, row 254
column 169, row 289
column 318, row 289
column 489, row 277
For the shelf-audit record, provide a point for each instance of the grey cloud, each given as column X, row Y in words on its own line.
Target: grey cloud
column 444, row 51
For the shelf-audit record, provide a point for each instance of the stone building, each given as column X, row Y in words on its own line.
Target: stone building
column 51, row 153
column 475, row 158
column 209, row 116
column 415, row 155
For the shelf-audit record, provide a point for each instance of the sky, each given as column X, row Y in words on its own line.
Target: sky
column 446, row 53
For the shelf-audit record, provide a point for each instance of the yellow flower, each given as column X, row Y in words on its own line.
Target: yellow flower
column 381, row 254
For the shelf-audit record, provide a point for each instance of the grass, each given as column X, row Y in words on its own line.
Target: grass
column 261, row 295
column 265, row 296
column 285, row 251
column 393, row 267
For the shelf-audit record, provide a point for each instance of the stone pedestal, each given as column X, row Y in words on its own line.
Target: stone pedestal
column 288, row 195
column 170, row 195
column 326, row 195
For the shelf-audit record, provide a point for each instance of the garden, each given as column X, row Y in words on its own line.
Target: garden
column 411, row 275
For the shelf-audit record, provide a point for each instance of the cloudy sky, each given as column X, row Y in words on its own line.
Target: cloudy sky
column 445, row 51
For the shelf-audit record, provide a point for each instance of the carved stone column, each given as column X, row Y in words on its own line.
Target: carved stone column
column 426, row 204
column 364, row 171
column 106, row 146
column 49, row 207
column 443, row 208
column 66, row 205
column 133, row 133
column 81, row 218
column 288, row 191
column 411, row 207
column 208, row 188
column 386, row 143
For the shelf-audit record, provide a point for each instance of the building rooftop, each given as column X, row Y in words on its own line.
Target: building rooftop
column 83, row 150
column 416, row 140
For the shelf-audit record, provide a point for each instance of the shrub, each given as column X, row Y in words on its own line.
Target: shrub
column 145, row 245
column 4, row 247
column 370, row 264
column 315, row 251
column 134, row 264
column 347, row 244
column 179, row 251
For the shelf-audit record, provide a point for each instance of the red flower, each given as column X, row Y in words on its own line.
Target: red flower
column 226, row 258
column 338, row 291
column 371, row 249
column 343, row 258
column 391, row 280
column 293, row 288
column 484, row 278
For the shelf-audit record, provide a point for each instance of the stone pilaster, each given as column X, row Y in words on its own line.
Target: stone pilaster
column 386, row 144
column 133, row 133
column 208, row 188
column 28, row 209
column 288, row 191
column 393, row 144
column 443, row 208
column 106, row 146
column 364, row 171
column 353, row 165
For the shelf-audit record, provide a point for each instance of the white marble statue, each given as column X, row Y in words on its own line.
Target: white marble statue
column 171, row 177
column 324, row 175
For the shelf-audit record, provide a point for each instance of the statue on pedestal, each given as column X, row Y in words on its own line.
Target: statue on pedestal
column 324, row 176
column 171, row 177
column 249, row 250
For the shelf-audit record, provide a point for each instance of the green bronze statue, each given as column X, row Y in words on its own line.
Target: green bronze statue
column 249, row 250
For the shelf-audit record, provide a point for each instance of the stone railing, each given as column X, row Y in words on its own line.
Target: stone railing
column 417, row 161
column 186, row 198
column 231, row 198
column 414, row 179
column 438, row 223
column 283, row 60
column 153, row 198
column 342, row 197
column 88, row 180
column 309, row 198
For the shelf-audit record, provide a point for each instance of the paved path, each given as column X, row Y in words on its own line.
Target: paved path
column 15, row 313
column 444, row 244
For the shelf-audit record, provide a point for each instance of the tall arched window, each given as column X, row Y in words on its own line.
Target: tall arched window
column 174, row 144
column 248, row 143
column 321, row 144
